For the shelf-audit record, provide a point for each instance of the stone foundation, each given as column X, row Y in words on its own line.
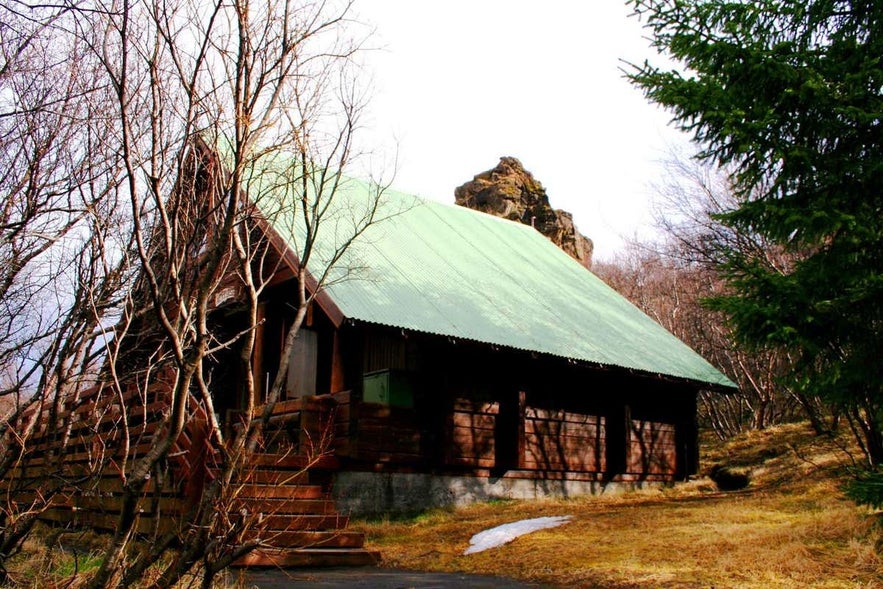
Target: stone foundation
column 369, row 493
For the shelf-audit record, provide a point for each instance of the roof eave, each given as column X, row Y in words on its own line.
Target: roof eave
column 290, row 259
column 690, row 382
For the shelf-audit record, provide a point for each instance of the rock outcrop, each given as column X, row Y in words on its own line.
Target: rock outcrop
column 511, row 192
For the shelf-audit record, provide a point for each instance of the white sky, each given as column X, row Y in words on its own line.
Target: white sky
column 458, row 84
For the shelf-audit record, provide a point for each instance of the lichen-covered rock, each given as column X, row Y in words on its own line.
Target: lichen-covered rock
column 511, row 192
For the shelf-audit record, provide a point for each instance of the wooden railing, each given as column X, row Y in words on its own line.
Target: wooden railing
column 282, row 492
column 71, row 466
column 302, row 427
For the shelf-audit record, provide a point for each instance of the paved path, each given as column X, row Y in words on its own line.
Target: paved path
column 375, row 578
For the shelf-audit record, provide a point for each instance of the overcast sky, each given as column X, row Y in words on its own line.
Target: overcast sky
column 460, row 83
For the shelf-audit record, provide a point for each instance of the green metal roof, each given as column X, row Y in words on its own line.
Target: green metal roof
column 447, row 270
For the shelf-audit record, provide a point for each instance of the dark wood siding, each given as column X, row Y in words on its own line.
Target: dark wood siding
column 482, row 410
column 384, row 351
column 651, row 448
column 563, row 440
column 471, row 427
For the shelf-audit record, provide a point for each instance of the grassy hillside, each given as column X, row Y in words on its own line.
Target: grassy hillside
column 791, row 527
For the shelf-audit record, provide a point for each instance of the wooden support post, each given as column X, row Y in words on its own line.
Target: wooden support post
column 258, row 356
column 509, row 432
column 519, row 429
column 338, row 378
column 687, row 439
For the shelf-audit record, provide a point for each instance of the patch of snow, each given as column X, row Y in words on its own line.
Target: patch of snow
column 505, row 533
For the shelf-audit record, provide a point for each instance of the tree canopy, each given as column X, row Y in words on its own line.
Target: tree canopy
column 788, row 96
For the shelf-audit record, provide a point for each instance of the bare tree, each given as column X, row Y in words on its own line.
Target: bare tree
column 221, row 107
column 672, row 280
column 63, row 258
column 145, row 163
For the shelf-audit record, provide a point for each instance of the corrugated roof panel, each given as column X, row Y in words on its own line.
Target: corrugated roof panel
column 451, row 271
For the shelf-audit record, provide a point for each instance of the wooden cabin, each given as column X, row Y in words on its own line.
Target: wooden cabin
column 466, row 357
column 452, row 356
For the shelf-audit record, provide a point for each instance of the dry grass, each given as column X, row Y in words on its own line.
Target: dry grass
column 54, row 558
column 792, row 527
column 51, row 558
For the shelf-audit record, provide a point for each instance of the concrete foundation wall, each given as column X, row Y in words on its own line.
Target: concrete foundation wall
column 369, row 493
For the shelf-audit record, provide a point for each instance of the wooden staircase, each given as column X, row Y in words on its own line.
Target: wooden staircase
column 294, row 519
column 297, row 524
column 283, row 495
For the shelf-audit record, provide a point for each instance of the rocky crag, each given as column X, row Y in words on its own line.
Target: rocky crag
column 511, row 192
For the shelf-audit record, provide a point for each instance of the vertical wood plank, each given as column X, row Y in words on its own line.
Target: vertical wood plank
column 338, row 377
column 258, row 356
column 520, row 442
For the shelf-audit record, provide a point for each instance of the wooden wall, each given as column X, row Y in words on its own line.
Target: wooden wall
column 374, row 435
column 79, row 478
column 471, row 432
column 480, row 409
column 561, row 440
column 651, row 449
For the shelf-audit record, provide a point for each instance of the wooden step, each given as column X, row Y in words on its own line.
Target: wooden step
column 302, row 539
column 270, row 476
column 309, row 557
column 280, row 491
column 284, row 506
column 296, row 523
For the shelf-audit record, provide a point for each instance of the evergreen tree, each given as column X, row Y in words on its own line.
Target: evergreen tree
column 788, row 94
